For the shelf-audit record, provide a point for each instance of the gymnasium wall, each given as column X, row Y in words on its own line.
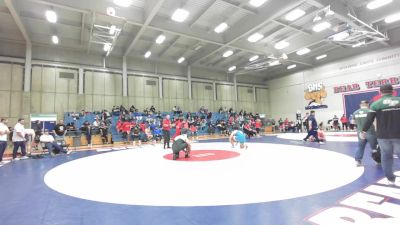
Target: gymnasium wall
column 287, row 93
column 11, row 96
column 53, row 93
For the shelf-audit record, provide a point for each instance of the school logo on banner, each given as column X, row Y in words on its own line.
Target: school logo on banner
column 315, row 93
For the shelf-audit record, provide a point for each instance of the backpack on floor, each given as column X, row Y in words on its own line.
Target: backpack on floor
column 376, row 155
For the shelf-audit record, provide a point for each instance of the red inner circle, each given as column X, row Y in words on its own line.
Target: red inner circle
column 205, row 155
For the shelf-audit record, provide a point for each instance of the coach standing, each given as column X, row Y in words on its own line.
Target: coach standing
column 19, row 140
column 166, row 127
column 360, row 117
column 387, row 113
column 4, row 131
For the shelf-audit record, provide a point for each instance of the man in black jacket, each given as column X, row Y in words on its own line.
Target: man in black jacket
column 387, row 113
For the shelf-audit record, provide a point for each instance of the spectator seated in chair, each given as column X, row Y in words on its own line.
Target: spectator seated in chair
column 60, row 129
column 248, row 130
column 148, row 135
column 222, row 127
column 157, row 134
column 136, row 135
column 50, row 144
column 104, row 133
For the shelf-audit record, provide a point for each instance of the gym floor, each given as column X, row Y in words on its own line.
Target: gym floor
column 278, row 180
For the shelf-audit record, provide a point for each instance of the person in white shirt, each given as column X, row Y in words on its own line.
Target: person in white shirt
column 50, row 143
column 4, row 131
column 181, row 143
column 96, row 123
column 18, row 139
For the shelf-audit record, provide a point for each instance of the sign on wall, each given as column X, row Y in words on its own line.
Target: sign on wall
column 368, row 85
column 43, row 121
column 381, row 82
column 346, row 88
column 315, row 93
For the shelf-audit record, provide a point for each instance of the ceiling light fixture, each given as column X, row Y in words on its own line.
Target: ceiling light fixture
column 274, row 63
column 284, row 56
column 393, row 18
column 340, row 36
column 294, row 15
column 180, row 15
column 321, row 26
column 227, row 53
column 281, row 45
column 253, row 58
column 317, row 18
column 359, row 44
column 54, row 38
column 148, row 54
column 232, row 68
column 329, row 12
column 378, row 3
column 123, row 3
column 107, row 47
column 303, row 51
column 257, row 3
column 291, row 66
column 51, row 16
column 181, row 59
column 112, row 30
column 110, row 11
column 321, row 57
column 255, row 37
column 160, row 39
column 221, row 28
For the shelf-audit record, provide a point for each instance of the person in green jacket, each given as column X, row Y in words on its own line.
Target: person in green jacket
column 360, row 117
column 386, row 110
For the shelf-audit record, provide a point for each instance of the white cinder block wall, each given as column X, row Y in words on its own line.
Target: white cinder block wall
column 287, row 93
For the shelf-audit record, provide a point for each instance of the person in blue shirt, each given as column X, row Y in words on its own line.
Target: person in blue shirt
column 312, row 128
column 237, row 136
column 157, row 134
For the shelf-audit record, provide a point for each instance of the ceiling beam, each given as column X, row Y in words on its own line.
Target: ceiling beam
column 185, row 52
column 199, row 15
column 61, row 6
column 199, row 39
column 91, row 31
column 18, row 20
column 238, row 56
column 239, row 7
column 82, row 28
column 151, row 14
column 168, row 47
column 292, row 27
column 252, row 29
